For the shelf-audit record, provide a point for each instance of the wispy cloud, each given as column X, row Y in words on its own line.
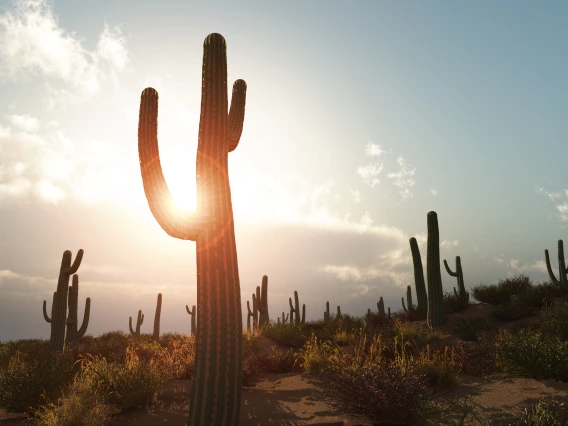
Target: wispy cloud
column 32, row 43
column 403, row 178
column 562, row 208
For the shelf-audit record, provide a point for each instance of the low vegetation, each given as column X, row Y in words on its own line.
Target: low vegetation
column 385, row 369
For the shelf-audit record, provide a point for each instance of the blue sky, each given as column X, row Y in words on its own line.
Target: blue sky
column 361, row 117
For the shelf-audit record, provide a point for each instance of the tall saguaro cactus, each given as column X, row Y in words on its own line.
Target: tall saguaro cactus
column 216, row 391
column 262, row 302
column 72, row 333
column 418, row 276
column 435, row 291
column 58, row 318
column 193, row 315
column 562, row 269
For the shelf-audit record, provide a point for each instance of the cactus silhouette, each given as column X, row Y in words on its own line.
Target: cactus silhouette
column 409, row 299
column 192, row 313
column 459, row 275
column 262, row 302
column 418, row 276
column 139, row 322
column 435, row 291
column 562, row 269
column 216, row 384
column 72, row 333
column 156, row 334
column 58, row 318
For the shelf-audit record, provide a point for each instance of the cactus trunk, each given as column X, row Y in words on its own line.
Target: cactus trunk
column 72, row 333
column 435, row 292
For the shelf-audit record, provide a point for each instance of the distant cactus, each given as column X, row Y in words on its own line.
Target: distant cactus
column 72, row 333
column 459, row 275
column 139, row 322
column 338, row 311
column 262, row 302
column 562, row 269
column 193, row 318
column 409, row 299
column 381, row 307
column 295, row 310
column 326, row 313
column 252, row 314
column 156, row 334
column 285, row 318
column 58, row 318
column 435, row 291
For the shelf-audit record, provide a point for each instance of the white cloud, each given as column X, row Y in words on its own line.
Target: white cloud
column 370, row 172
column 25, row 122
column 373, row 150
column 403, row 178
column 433, row 192
column 33, row 43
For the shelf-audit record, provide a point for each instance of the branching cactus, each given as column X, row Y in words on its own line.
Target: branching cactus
column 72, row 333
column 58, row 318
column 194, row 317
column 459, row 275
column 562, row 269
column 284, row 318
column 296, row 308
column 418, row 276
column 139, row 322
column 409, row 299
column 435, row 292
column 216, row 384
column 262, row 302
column 254, row 313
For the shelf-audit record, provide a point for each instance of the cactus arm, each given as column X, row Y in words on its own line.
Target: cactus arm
column 403, row 305
column 237, row 113
column 453, row 274
column 290, row 301
column 248, row 308
column 81, row 331
column 549, row 267
column 184, row 225
column 130, row 325
column 187, row 309
column 44, row 308
column 73, row 268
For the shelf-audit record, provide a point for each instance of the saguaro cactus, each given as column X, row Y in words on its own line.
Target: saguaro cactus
column 459, row 275
column 381, row 307
column 418, row 276
column 409, row 299
column 58, row 318
column 193, row 316
column 296, row 308
column 139, row 322
column 262, row 302
column 216, row 385
column 72, row 333
column 156, row 334
column 435, row 292
column 562, row 269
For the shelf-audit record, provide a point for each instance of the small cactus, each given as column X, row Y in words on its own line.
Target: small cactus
column 194, row 317
column 459, row 275
column 139, row 322
column 409, row 299
column 562, row 269
column 296, row 309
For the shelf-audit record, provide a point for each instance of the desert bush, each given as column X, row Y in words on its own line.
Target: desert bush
column 440, row 367
column 254, row 369
column 551, row 322
column 384, row 395
column 531, row 354
column 469, row 328
column 314, row 356
column 454, row 302
column 35, row 377
column 546, row 412
column 130, row 384
column 83, row 405
column 281, row 362
column 474, row 358
column 288, row 334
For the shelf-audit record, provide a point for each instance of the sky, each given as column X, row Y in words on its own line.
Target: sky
column 361, row 117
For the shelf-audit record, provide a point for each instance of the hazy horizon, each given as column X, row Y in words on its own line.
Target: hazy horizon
column 360, row 119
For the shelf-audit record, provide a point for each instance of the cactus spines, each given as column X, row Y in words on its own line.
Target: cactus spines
column 562, row 269
column 156, row 334
column 59, row 307
column 194, row 317
column 435, row 292
column 216, row 384
column 262, row 302
column 459, row 275
column 409, row 298
column 296, row 308
column 139, row 322
column 72, row 333
column 418, row 275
